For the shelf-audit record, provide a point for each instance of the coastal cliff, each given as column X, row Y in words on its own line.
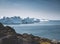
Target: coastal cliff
column 9, row 36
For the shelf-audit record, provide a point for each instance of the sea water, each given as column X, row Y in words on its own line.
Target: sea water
column 42, row 29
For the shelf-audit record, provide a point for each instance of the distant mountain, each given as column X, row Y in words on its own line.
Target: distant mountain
column 18, row 20
column 54, row 20
column 7, row 20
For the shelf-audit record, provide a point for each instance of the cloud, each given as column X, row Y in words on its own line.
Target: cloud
column 37, row 9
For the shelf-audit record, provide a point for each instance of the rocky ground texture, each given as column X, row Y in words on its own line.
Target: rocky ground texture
column 9, row 36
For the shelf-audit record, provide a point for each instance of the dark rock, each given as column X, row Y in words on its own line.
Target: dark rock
column 58, row 43
column 1, row 25
column 10, row 40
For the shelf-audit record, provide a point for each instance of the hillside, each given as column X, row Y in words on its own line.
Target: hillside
column 9, row 36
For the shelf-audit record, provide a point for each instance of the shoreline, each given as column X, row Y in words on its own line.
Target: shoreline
column 9, row 36
column 32, row 33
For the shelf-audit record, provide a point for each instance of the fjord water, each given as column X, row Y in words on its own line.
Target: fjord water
column 42, row 29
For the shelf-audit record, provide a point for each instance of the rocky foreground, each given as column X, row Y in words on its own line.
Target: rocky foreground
column 9, row 36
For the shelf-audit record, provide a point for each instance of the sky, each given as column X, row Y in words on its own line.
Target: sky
column 42, row 9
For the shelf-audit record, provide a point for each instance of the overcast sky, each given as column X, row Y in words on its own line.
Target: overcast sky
column 43, row 9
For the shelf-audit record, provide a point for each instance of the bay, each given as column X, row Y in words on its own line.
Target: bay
column 42, row 29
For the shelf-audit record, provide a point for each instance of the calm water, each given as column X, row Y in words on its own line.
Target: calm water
column 43, row 29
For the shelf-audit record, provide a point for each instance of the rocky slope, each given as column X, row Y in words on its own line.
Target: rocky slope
column 9, row 36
